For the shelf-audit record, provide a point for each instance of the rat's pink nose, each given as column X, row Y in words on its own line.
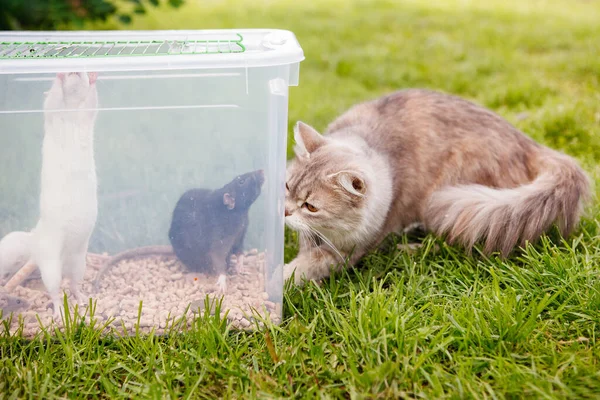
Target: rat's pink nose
column 287, row 213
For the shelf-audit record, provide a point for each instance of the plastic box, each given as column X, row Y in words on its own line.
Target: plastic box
column 174, row 111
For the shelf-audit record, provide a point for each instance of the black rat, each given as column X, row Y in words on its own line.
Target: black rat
column 207, row 228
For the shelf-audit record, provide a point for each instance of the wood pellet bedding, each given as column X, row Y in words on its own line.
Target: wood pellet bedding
column 167, row 291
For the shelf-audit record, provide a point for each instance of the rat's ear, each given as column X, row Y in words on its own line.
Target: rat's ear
column 229, row 201
column 350, row 181
column 307, row 140
column 61, row 76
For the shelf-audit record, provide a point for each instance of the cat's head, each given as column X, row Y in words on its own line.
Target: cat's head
column 328, row 186
column 73, row 90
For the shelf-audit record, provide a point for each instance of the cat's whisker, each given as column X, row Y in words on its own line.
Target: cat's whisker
column 310, row 240
column 308, row 236
column 328, row 243
column 316, row 245
column 310, row 233
column 302, row 237
column 306, row 239
column 305, row 234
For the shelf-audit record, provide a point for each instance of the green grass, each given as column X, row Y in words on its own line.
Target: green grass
column 433, row 324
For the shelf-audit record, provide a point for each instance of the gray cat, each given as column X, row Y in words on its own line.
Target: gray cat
column 423, row 157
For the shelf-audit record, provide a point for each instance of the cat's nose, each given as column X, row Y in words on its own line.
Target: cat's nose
column 287, row 213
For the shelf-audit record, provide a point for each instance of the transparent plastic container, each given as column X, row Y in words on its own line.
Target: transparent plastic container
column 146, row 169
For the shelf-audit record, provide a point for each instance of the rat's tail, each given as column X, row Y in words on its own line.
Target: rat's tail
column 21, row 275
column 503, row 218
column 132, row 253
column 15, row 252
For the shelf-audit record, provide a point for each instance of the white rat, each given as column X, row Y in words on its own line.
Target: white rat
column 68, row 196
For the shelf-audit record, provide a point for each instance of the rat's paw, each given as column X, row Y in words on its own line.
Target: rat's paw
column 79, row 299
column 58, row 306
column 79, row 89
column 73, row 90
column 221, row 284
column 59, row 312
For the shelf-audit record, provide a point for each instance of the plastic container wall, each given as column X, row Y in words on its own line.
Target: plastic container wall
column 157, row 134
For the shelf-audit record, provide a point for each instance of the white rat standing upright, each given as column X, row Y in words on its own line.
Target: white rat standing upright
column 68, row 197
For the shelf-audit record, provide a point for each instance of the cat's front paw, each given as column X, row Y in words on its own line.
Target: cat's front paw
column 293, row 268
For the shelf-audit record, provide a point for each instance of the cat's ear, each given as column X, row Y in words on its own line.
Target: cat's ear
column 307, row 139
column 350, row 181
column 229, row 201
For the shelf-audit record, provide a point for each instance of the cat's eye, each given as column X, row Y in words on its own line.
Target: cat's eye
column 310, row 207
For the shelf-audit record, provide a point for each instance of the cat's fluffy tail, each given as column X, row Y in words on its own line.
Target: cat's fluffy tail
column 503, row 218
